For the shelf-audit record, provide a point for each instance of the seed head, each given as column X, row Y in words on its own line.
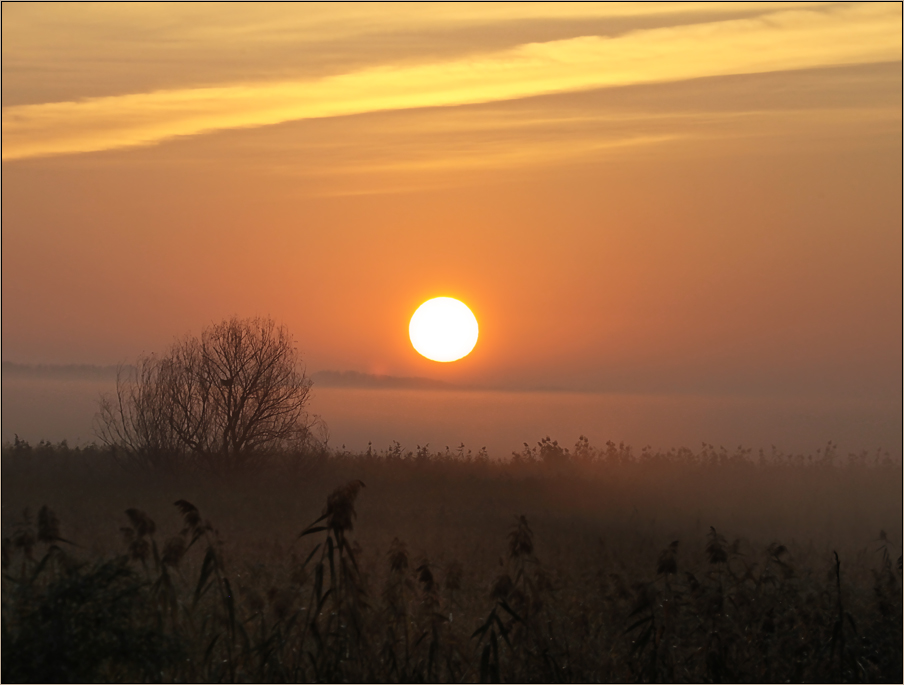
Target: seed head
column 173, row 551
column 668, row 565
column 48, row 525
column 502, row 587
column 340, row 506
column 398, row 556
column 141, row 522
column 190, row 514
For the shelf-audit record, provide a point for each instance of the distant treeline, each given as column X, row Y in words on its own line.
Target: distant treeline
column 327, row 379
column 355, row 379
column 62, row 371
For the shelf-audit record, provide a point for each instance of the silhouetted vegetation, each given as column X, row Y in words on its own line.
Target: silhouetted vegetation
column 222, row 400
column 557, row 565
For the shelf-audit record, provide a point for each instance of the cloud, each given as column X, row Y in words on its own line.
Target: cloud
column 778, row 41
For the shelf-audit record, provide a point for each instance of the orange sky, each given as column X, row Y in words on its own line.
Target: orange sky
column 674, row 197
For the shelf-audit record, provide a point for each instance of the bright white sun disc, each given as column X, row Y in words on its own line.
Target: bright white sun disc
column 443, row 329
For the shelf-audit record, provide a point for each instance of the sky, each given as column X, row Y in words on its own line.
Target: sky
column 666, row 197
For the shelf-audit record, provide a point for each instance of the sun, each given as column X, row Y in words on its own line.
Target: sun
column 443, row 329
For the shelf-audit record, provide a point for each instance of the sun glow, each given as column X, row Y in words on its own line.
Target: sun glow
column 443, row 329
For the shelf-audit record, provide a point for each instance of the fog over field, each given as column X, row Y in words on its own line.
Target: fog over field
column 60, row 402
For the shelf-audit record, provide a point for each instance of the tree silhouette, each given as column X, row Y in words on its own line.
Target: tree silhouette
column 225, row 399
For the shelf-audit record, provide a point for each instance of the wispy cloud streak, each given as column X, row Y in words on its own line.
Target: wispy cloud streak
column 779, row 41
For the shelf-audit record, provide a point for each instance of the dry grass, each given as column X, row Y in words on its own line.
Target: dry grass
column 579, row 565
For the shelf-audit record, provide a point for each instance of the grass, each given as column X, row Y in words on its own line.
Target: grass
column 553, row 566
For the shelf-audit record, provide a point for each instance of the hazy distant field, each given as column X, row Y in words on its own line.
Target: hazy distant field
column 446, row 583
column 55, row 408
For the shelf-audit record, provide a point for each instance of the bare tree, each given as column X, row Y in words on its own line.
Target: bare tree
column 135, row 419
column 227, row 398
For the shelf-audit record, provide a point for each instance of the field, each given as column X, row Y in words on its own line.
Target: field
column 586, row 564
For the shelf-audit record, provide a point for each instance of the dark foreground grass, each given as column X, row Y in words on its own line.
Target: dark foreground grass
column 554, row 566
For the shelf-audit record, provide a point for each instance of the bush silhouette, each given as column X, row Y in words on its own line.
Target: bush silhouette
column 223, row 399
